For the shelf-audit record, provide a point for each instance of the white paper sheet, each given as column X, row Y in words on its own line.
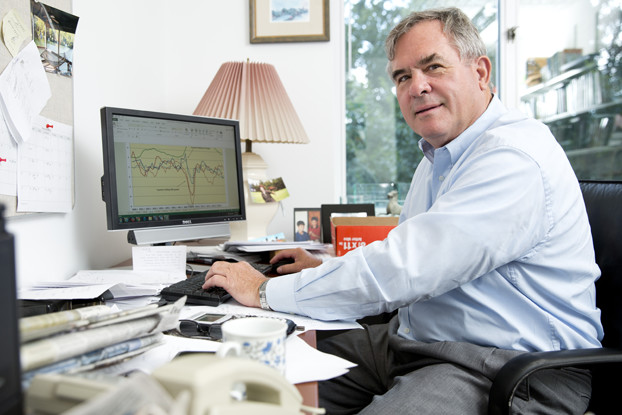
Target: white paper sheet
column 45, row 168
column 63, row 291
column 249, row 246
column 129, row 277
column 303, row 362
column 8, row 161
column 24, row 91
column 165, row 258
column 93, row 283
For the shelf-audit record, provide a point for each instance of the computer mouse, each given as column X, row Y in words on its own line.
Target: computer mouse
column 277, row 264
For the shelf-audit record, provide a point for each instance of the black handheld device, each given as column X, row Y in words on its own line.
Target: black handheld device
column 209, row 325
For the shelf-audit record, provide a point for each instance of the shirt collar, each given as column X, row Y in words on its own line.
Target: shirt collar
column 458, row 145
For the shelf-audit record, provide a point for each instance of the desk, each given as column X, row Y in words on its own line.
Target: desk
column 308, row 390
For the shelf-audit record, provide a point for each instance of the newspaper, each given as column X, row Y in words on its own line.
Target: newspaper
column 34, row 327
column 63, row 346
column 106, row 355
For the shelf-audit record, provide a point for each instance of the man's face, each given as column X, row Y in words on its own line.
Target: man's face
column 439, row 95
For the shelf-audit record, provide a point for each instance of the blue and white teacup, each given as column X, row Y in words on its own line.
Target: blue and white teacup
column 258, row 338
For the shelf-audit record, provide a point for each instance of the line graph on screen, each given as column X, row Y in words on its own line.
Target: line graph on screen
column 176, row 175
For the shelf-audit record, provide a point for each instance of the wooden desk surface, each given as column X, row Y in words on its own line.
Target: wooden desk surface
column 309, row 390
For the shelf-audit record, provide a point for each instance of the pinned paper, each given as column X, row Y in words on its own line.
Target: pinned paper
column 24, row 91
column 8, row 161
column 14, row 32
column 45, row 168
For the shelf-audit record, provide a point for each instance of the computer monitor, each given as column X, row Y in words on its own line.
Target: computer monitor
column 170, row 177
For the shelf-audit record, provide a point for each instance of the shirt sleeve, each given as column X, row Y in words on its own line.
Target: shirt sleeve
column 490, row 211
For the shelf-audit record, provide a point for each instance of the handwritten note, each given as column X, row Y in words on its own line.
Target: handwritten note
column 45, row 168
column 24, row 91
column 163, row 258
column 14, row 31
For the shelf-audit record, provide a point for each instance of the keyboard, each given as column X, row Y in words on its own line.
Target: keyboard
column 191, row 287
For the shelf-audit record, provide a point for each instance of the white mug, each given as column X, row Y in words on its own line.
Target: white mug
column 257, row 338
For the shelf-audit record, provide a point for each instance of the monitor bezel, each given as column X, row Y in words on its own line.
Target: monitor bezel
column 109, row 182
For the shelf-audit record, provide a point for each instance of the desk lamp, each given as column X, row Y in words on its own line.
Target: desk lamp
column 253, row 94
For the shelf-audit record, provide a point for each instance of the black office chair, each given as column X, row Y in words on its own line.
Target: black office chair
column 603, row 200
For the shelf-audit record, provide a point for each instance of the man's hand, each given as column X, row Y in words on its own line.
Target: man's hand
column 302, row 259
column 240, row 280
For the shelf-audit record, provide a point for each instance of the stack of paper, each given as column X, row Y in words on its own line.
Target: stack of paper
column 250, row 246
column 91, row 284
column 82, row 339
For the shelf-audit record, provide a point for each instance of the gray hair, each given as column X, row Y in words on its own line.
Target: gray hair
column 457, row 26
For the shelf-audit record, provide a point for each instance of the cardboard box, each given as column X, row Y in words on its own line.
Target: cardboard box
column 349, row 232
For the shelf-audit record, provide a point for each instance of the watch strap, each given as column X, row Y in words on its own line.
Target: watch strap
column 263, row 302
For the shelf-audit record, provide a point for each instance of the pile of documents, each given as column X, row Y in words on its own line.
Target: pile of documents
column 85, row 338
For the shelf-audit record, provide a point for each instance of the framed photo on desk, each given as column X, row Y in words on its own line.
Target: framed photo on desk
column 307, row 224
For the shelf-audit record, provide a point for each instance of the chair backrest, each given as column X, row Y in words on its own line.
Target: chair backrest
column 603, row 202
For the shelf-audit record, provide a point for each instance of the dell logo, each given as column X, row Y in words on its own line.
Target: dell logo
column 186, row 222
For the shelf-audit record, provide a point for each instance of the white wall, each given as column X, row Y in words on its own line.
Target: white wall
column 161, row 55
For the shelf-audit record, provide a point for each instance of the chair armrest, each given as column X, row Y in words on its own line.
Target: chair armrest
column 520, row 367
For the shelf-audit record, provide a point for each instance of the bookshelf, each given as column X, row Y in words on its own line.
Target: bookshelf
column 582, row 106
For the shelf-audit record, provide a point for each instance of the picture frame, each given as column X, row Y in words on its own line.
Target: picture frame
column 311, row 221
column 330, row 210
column 273, row 21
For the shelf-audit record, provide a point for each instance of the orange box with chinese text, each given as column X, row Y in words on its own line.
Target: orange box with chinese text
column 350, row 232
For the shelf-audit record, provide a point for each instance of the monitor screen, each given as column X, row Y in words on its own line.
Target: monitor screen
column 169, row 170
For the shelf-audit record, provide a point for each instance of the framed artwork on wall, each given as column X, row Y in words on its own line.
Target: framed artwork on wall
column 307, row 224
column 273, row 21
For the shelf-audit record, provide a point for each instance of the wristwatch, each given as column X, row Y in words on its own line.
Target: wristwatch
column 263, row 302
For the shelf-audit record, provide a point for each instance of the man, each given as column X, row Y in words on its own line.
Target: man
column 492, row 256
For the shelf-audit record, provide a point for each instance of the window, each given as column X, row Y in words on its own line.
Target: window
column 572, row 81
column 566, row 72
column 382, row 151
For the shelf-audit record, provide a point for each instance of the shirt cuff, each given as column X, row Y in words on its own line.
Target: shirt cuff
column 280, row 293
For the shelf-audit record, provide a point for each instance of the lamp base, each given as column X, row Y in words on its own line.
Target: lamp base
column 258, row 215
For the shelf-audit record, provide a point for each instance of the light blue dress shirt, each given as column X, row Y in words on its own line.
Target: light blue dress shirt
column 493, row 248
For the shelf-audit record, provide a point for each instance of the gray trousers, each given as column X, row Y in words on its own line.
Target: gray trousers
column 399, row 376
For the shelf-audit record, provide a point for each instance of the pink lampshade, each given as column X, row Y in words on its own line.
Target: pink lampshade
column 253, row 94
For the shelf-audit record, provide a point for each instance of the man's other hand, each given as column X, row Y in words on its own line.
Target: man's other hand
column 302, row 259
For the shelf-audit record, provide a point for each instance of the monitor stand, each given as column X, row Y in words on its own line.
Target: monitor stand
column 153, row 236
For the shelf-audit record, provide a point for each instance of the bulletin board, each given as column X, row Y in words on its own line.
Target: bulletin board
column 59, row 107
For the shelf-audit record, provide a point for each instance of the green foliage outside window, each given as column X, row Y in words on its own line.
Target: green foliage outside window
column 380, row 147
column 382, row 151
